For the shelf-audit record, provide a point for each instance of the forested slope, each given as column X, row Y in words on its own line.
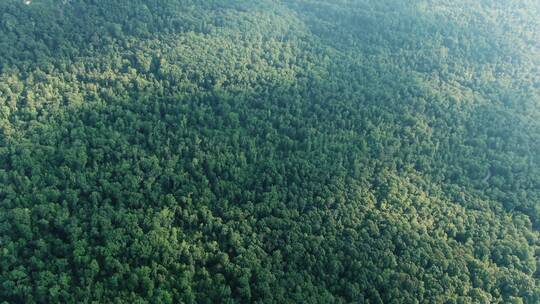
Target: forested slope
column 302, row 151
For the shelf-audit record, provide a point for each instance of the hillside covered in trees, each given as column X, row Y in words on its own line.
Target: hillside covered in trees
column 269, row 151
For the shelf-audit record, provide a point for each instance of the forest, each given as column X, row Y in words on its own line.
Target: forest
column 270, row 151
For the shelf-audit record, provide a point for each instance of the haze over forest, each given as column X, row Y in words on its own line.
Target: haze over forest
column 269, row 151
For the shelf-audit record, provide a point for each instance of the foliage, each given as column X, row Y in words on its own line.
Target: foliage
column 303, row 151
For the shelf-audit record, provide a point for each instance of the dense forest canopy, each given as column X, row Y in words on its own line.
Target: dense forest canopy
column 300, row 151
